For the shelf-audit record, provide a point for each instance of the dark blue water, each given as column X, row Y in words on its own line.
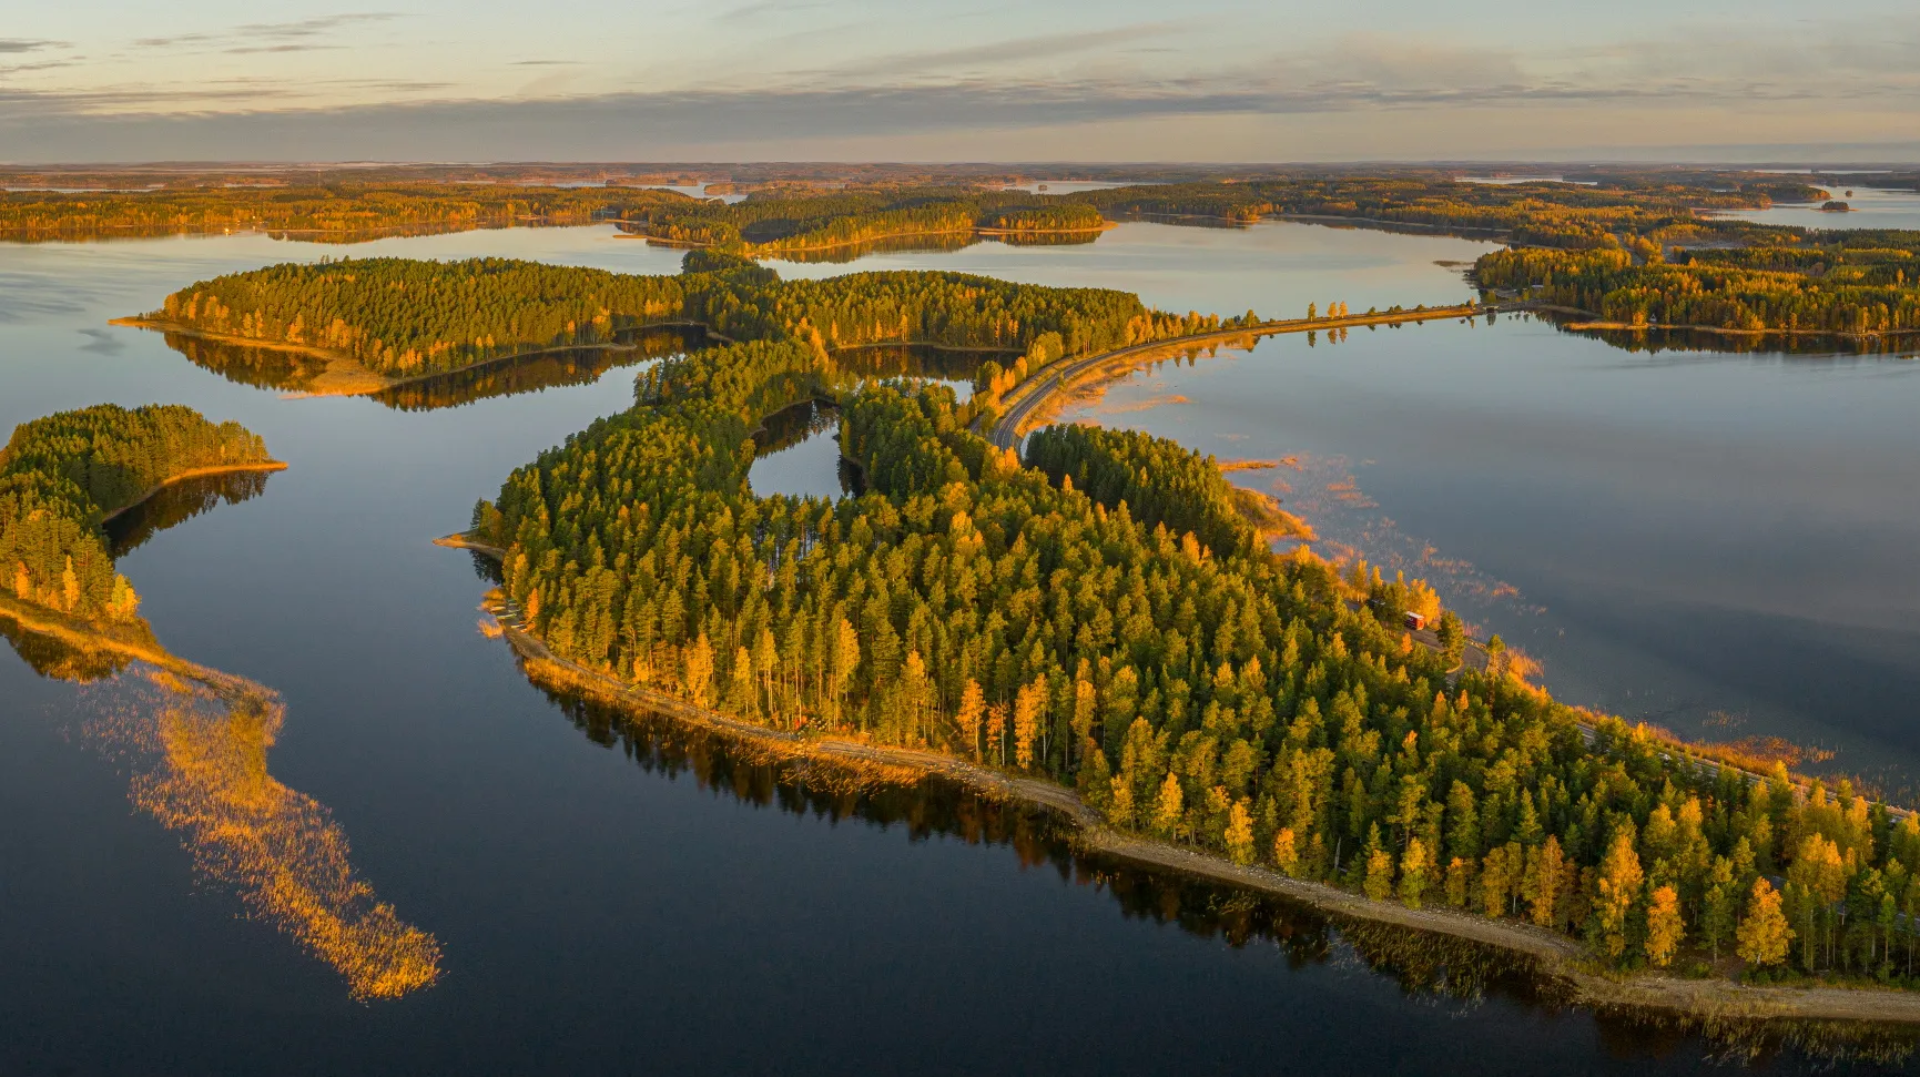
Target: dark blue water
column 599, row 904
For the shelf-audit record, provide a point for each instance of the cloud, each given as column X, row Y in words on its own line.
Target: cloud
column 1398, row 85
column 760, row 9
column 13, row 45
column 1039, row 46
column 247, row 50
column 263, row 36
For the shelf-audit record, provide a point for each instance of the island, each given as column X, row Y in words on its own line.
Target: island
column 62, row 477
column 1850, row 285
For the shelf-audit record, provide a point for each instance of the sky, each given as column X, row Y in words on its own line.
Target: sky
column 915, row 80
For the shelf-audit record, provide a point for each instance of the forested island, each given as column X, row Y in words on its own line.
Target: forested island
column 399, row 319
column 1099, row 617
column 62, row 476
column 1855, row 284
column 777, row 226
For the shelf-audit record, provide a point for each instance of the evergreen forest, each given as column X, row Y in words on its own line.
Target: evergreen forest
column 61, row 476
column 1092, row 616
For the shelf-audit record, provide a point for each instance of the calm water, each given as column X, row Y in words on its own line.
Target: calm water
column 1871, row 209
column 694, row 915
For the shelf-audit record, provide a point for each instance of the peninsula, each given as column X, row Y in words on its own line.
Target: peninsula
column 1129, row 639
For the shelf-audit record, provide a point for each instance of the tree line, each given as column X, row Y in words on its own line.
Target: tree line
column 782, row 223
column 339, row 212
column 62, row 475
column 401, row 318
column 1831, row 288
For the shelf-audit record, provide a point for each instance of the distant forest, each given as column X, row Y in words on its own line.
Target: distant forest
column 796, row 219
column 1849, row 283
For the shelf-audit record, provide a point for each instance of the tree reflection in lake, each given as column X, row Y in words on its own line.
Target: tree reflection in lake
column 297, row 372
column 1442, row 969
column 533, row 373
column 179, row 503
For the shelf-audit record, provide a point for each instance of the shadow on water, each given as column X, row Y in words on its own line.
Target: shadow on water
column 1440, row 969
column 955, row 366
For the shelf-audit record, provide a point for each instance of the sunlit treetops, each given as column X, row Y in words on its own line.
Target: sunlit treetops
column 338, row 212
column 407, row 318
column 62, row 475
column 782, row 224
column 1830, row 288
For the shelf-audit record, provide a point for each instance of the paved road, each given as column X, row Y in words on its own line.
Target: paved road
column 1031, row 395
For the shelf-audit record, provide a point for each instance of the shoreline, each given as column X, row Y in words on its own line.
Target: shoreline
column 1034, row 398
column 1597, row 324
column 761, row 250
column 190, row 475
column 1560, row 959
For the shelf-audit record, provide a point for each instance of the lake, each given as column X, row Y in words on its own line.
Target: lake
column 609, row 895
column 1872, row 208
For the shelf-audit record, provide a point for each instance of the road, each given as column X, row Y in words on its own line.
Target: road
column 1031, row 395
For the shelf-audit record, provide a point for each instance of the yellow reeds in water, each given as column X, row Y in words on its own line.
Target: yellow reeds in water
column 278, row 848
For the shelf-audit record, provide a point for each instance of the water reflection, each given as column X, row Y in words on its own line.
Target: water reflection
column 792, row 425
column 197, row 740
column 797, row 452
column 243, row 364
column 178, row 503
column 1653, row 341
column 1438, row 969
column 534, row 373
column 56, row 659
column 289, row 371
column 954, row 367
